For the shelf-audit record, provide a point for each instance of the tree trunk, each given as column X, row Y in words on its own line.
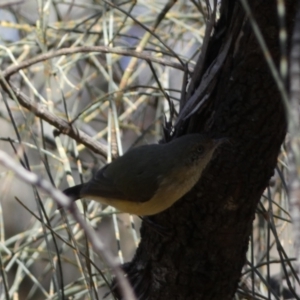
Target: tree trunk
column 209, row 228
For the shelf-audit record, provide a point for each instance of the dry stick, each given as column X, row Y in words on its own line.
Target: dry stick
column 63, row 126
column 88, row 49
column 142, row 44
column 64, row 201
column 200, row 63
column 59, row 123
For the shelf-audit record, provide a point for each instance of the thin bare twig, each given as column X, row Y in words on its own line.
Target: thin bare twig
column 64, row 201
column 88, row 49
column 62, row 126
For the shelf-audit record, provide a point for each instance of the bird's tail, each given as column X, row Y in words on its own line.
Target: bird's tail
column 73, row 193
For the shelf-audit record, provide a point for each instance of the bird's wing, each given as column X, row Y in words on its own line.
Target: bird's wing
column 101, row 186
column 137, row 184
column 131, row 187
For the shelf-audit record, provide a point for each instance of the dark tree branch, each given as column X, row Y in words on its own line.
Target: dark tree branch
column 211, row 225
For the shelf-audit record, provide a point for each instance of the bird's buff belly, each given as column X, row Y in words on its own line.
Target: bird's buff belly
column 165, row 197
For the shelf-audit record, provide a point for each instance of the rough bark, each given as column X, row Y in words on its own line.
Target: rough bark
column 210, row 227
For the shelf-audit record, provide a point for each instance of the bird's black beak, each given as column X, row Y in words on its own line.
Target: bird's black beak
column 220, row 141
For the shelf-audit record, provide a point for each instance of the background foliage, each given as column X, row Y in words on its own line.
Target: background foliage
column 116, row 94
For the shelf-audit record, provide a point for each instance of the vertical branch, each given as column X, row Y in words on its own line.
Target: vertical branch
column 294, row 184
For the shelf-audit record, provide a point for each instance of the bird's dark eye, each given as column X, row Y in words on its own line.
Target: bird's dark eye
column 200, row 149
